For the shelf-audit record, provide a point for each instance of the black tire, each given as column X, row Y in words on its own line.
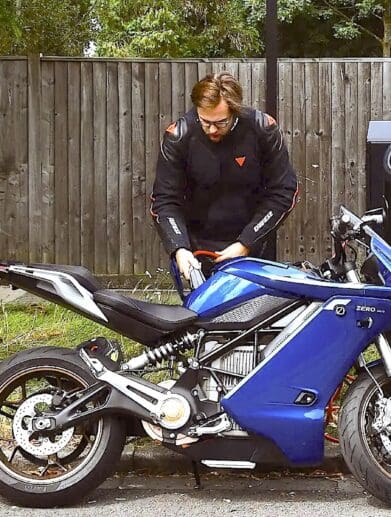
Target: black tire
column 364, row 452
column 69, row 476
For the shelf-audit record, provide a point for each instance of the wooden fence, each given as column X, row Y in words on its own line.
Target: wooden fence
column 79, row 140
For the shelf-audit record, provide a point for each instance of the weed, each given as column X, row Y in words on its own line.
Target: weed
column 25, row 327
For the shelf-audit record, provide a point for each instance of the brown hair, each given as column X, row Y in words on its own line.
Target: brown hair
column 208, row 92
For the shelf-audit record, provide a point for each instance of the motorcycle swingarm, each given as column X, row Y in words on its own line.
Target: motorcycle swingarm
column 107, row 400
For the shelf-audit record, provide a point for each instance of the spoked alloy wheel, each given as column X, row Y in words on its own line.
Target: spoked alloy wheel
column 365, row 433
column 50, row 469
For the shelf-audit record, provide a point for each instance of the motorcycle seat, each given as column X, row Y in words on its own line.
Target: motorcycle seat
column 167, row 318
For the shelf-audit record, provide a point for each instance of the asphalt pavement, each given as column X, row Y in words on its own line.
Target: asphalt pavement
column 241, row 494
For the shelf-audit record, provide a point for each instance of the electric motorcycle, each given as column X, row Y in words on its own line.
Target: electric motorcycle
column 253, row 356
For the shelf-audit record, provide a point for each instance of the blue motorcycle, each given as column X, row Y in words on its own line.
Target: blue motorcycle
column 253, row 356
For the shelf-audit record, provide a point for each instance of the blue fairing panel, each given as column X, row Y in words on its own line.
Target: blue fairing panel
column 239, row 280
column 314, row 358
column 222, row 292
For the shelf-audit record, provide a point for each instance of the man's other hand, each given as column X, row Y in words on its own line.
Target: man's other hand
column 237, row 249
column 185, row 259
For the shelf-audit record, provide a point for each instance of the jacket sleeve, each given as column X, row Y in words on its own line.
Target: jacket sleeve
column 168, row 195
column 280, row 191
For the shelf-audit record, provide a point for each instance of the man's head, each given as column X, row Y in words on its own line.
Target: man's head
column 218, row 100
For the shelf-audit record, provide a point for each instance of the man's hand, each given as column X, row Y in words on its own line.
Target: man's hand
column 237, row 249
column 185, row 259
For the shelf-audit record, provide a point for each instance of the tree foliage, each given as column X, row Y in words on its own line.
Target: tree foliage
column 198, row 28
column 176, row 28
column 48, row 26
column 341, row 27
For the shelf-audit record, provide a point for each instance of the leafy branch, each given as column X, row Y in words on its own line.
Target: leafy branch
column 350, row 20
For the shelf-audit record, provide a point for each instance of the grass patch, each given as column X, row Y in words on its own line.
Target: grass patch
column 24, row 327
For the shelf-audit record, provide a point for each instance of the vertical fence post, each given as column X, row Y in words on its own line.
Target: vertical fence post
column 34, row 157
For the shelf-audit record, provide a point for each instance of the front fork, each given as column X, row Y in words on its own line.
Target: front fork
column 384, row 348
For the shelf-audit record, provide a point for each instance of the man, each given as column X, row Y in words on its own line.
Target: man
column 223, row 179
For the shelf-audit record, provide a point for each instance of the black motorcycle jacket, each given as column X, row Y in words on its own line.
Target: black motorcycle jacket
column 239, row 189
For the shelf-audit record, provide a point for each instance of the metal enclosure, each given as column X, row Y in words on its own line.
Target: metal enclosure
column 378, row 168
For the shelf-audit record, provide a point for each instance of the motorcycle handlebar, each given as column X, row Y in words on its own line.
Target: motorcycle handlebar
column 340, row 225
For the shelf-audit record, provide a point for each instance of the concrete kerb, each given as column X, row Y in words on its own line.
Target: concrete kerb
column 156, row 459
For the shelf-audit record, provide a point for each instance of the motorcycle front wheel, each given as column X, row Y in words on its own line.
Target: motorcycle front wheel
column 46, row 470
column 366, row 451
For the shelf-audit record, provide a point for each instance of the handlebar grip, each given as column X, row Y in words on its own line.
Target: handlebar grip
column 206, row 253
column 340, row 225
column 343, row 226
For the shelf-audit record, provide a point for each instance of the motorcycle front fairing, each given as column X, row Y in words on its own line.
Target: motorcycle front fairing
column 312, row 355
column 312, row 360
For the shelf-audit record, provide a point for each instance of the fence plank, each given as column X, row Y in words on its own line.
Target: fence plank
column 191, row 77
column 204, row 69
column 125, row 168
column 245, row 81
column 18, row 233
column 178, row 90
column 298, row 152
column 286, row 238
column 47, row 157
column 112, row 167
column 14, row 224
column 231, row 68
column 376, row 91
column 351, row 121
column 74, row 162
column 258, row 86
column 8, row 167
column 61, row 229
column 218, row 67
column 152, row 139
column 165, row 116
column 4, row 159
column 87, row 166
column 138, row 166
column 338, row 136
column 364, row 115
column 34, row 157
column 312, row 230
column 324, row 211
column 100, row 185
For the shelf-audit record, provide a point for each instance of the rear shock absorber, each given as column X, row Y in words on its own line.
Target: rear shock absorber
column 159, row 354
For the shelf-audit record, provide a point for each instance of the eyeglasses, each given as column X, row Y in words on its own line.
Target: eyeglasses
column 220, row 124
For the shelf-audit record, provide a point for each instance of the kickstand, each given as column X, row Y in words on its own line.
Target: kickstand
column 197, row 477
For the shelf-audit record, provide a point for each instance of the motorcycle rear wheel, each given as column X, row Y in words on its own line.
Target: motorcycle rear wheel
column 367, row 454
column 59, row 469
